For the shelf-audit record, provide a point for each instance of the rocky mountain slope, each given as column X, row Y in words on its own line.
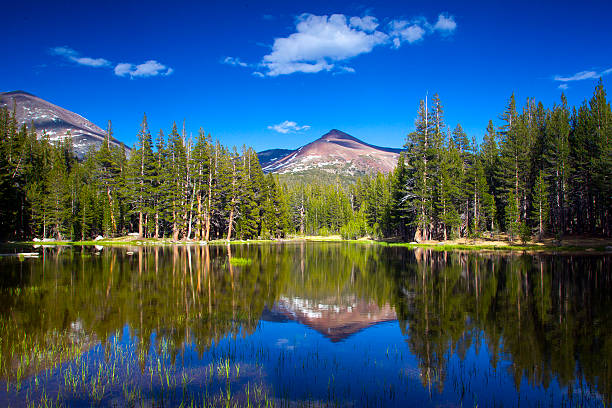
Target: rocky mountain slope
column 267, row 157
column 336, row 153
column 55, row 121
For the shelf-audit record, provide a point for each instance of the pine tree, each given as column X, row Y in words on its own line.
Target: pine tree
column 176, row 176
column 450, row 176
column 419, row 154
column 37, row 188
column 512, row 216
column 582, row 147
column 399, row 212
column 555, row 161
column 233, row 193
column 58, row 196
column 539, row 213
column 201, row 167
column 108, row 176
column 161, row 186
column 462, row 145
column 489, row 153
column 141, row 173
column 509, row 152
column 281, row 209
column 219, row 184
column 251, row 186
column 602, row 160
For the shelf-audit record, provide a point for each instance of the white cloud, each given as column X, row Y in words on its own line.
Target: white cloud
column 415, row 30
column 319, row 42
column 284, row 68
column 92, row 62
column 582, row 75
column 234, row 61
column 348, row 69
column 288, row 127
column 367, row 23
column 65, row 51
column 405, row 31
column 563, row 86
column 73, row 56
column 123, row 69
column 578, row 76
column 147, row 69
column 445, row 23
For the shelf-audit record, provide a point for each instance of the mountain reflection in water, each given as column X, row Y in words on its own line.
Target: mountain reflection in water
column 310, row 323
column 335, row 319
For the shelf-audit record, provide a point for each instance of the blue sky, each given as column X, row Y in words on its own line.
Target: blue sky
column 279, row 74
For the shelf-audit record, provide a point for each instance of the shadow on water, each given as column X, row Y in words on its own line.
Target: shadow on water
column 304, row 324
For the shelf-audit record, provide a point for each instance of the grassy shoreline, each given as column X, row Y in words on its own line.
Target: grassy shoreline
column 568, row 245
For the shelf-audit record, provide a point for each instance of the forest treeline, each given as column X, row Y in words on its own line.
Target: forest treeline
column 542, row 171
column 174, row 187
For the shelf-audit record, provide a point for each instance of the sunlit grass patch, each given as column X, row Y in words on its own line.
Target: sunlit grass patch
column 240, row 261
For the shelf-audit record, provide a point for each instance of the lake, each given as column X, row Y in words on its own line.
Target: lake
column 304, row 325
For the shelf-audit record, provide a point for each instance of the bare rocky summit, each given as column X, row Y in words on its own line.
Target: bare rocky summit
column 55, row 121
column 335, row 152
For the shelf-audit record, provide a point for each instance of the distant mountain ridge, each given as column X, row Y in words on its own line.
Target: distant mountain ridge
column 335, row 153
column 55, row 121
column 267, row 157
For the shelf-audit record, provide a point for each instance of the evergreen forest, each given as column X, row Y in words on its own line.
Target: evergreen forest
column 541, row 171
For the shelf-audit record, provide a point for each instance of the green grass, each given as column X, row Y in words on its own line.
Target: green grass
column 475, row 247
column 118, row 242
column 240, row 261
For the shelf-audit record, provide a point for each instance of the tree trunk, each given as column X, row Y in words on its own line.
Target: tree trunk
column 541, row 229
column 232, row 202
column 302, row 216
column 110, row 204
column 191, row 211
column 231, row 221
column 200, row 216
column 444, row 223
column 140, row 232
column 156, row 225
column 209, row 211
column 175, row 231
column 209, row 207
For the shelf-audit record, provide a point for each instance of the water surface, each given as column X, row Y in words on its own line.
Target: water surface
column 304, row 324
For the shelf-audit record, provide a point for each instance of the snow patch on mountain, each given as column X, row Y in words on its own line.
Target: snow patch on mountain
column 54, row 122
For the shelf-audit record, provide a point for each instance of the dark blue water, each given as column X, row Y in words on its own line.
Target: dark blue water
column 305, row 325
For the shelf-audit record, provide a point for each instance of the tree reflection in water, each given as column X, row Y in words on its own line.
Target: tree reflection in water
column 540, row 320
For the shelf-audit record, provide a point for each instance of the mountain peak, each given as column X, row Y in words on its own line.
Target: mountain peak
column 55, row 121
column 336, row 153
column 338, row 134
column 17, row 93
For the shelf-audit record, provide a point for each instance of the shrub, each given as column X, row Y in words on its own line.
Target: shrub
column 524, row 232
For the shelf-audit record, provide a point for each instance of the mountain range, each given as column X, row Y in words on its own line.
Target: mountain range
column 335, row 154
column 55, row 121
